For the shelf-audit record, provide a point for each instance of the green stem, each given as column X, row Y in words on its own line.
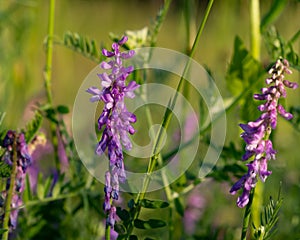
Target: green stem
column 107, row 232
column 10, row 191
column 255, row 51
column 160, row 19
column 247, row 216
column 168, row 114
column 255, row 28
column 166, row 121
column 48, row 77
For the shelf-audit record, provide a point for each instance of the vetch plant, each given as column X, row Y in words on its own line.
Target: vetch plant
column 256, row 134
column 160, row 195
column 17, row 157
column 116, row 119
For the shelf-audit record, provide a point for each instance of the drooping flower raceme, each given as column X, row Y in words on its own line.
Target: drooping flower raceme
column 23, row 161
column 115, row 119
column 259, row 147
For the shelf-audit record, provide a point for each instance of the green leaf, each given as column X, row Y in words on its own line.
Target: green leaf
column 120, row 228
column 47, row 186
column 179, row 206
column 131, row 204
column 243, row 73
column 82, row 45
column 276, row 9
column 3, row 230
column 62, row 109
column 295, row 121
column 154, row 204
column 58, row 186
column 243, row 69
column 277, row 46
column 269, row 218
column 40, row 187
column 27, row 194
column 5, row 170
column 43, row 187
column 133, row 237
column 33, row 127
column 123, row 214
column 149, row 224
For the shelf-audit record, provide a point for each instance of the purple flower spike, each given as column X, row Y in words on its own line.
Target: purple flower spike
column 256, row 134
column 115, row 119
column 23, row 162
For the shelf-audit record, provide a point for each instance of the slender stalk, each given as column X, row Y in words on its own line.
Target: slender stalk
column 10, row 191
column 161, row 18
column 247, row 215
column 255, row 28
column 48, row 77
column 166, row 121
column 255, row 50
column 107, row 232
column 168, row 114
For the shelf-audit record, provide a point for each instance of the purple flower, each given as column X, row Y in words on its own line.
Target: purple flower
column 195, row 205
column 23, row 162
column 115, row 119
column 256, row 134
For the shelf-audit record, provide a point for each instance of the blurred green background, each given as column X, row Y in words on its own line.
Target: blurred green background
column 23, row 30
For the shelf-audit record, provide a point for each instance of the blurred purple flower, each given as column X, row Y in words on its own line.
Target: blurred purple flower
column 37, row 148
column 23, row 162
column 115, row 119
column 256, row 134
column 194, row 210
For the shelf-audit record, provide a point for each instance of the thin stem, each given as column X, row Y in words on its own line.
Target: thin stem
column 107, row 232
column 48, row 77
column 255, row 28
column 166, row 120
column 255, row 51
column 160, row 19
column 10, row 191
column 247, row 215
column 168, row 114
column 49, row 51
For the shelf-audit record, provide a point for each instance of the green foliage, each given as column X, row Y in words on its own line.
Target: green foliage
column 83, row 45
column 43, row 187
column 33, row 127
column 243, row 74
column 149, row 224
column 62, row 109
column 179, row 206
column 159, row 20
column 269, row 218
column 295, row 121
column 277, row 46
column 154, row 204
column 70, row 207
column 274, row 12
column 229, row 164
column 5, row 170
column 2, row 230
column 51, row 113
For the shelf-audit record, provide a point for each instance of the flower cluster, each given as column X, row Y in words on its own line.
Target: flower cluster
column 256, row 134
column 115, row 119
column 23, row 159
